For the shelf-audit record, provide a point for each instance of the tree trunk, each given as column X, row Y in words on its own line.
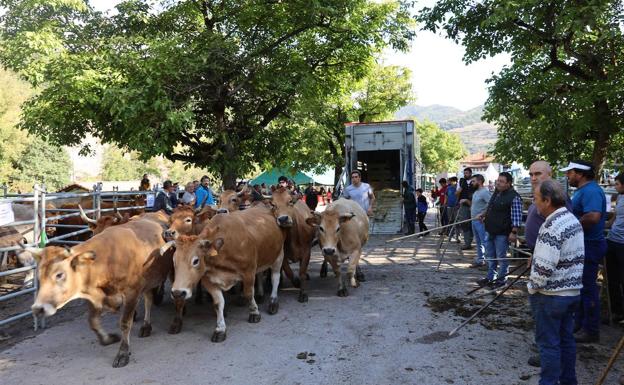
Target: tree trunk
column 337, row 173
column 606, row 129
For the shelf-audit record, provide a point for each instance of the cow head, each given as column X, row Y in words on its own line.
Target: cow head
column 184, row 219
column 328, row 224
column 283, row 206
column 97, row 226
column 231, row 200
column 61, row 277
column 189, row 261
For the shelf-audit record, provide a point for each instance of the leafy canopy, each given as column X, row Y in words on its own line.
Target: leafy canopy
column 197, row 81
column 440, row 151
column 562, row 96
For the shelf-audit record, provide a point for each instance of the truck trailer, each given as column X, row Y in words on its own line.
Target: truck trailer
column 386, row 153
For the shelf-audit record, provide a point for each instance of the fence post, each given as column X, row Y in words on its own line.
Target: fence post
column 5, row 189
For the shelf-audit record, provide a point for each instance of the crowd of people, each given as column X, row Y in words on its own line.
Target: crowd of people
column 566, row 238
column 198, row 193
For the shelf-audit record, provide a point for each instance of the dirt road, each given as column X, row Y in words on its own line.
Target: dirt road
column 388, row 331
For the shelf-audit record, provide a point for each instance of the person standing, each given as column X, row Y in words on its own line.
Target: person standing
column 409, row 206
column 145, row 183
column 423, row 206
column 189, row 194
column 478, row 205
column 451, row 203
column 503, row 217
column 589, row 205
column 441, row 195
column 464, row 195
column 163, row 199
column 615, row 253
column 360, row 192
column 203, row 194
column 311, row 197
column 555, row 283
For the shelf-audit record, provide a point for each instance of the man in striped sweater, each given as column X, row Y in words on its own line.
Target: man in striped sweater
column 555, row 283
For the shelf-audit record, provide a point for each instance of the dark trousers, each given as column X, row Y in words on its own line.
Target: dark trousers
column 444, row 217
column 462, row 215
column 615, row 276
column 421, row 221
column 554, row 326
column 588, row 316
column 410, row 218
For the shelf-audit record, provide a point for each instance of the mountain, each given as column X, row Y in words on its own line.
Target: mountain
column 476, row 134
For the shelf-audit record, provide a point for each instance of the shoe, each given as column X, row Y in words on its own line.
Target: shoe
column 534, row 361
column 583, row 337
column 466, row 247
column 483, row 282
column 475, row 265
column 496, row 284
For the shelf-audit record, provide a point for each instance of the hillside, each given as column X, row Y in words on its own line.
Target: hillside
column 477, row 135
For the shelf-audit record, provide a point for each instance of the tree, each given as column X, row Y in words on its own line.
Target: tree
column 440, row 150
column 198, row 81
column 13, row 141
column 119, row 166
column 562, row 96
column 41, row 162
column 320, row 119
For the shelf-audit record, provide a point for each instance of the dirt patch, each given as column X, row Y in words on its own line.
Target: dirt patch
column 460, row 306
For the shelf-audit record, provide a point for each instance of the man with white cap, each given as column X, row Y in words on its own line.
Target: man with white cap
column 589, row 205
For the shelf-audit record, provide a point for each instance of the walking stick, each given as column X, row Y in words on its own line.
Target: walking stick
column 510, row 272
column 489, row 303
column 616, row 352
column 429, row 231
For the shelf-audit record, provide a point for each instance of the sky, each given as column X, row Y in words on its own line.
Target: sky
column 439, row 76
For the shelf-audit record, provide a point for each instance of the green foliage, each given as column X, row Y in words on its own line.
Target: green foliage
column 320, row 119
column 562, row 97
column 195, row 81
column 41, row 162
column 440, row 151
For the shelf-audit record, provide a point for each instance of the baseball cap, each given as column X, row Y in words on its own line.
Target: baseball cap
column 578, row 166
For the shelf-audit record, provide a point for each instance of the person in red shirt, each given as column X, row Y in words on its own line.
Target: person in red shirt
column 441, row 194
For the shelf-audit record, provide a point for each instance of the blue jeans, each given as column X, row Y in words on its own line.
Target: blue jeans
column 554, row 326
column 478, row 229
column 496, row 251
column 588, row 316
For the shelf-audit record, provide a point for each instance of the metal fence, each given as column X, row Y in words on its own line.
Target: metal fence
column 45, row 216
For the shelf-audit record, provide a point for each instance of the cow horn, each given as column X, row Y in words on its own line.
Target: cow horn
column 269, row 197
column 166, row 246
column 85, row 217
column 35, row 251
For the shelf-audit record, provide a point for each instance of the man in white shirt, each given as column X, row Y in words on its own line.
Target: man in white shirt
column 360, row 192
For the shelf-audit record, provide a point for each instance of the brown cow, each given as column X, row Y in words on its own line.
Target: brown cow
column 232, row 248
column 343, row 232
column 292, row 214
column 231, row 200
column 99, row 225
column 110, row 270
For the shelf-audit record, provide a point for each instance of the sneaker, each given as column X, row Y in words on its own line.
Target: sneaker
column 496, row 284
column 464, row 247
column 483, row 282
column 475, row 265
column 583, row 337
column 534, row 361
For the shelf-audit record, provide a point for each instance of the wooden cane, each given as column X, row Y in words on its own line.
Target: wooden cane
column 618, row 348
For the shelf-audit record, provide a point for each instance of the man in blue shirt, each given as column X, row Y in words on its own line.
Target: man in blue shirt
column 203, row 194
column 589, row 205
column 451, row 206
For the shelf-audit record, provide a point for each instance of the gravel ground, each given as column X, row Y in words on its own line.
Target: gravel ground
column 390, row 330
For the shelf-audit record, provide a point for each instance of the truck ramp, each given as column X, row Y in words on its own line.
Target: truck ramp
column 387, row 215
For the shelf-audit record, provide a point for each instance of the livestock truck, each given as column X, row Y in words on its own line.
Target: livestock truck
column 386, row 153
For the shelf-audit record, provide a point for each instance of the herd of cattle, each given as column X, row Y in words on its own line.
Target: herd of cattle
column 131, row 256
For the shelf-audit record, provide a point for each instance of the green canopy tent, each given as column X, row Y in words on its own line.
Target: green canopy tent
column 270, row 177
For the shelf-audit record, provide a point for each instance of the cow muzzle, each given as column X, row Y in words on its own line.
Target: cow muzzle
column 170, row 235
column 181, row 294
column 222, row 211
column 329, row 251
column 43, row 310
column 284, row 221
